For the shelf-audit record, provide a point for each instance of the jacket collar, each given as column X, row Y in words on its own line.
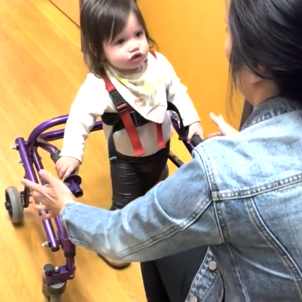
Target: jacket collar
column 271, row 108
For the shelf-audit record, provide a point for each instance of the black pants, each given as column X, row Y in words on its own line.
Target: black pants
column 167, row 279
column 132, row 177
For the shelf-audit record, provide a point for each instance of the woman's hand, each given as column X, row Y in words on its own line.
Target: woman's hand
column 223, row 126
column 51, row 197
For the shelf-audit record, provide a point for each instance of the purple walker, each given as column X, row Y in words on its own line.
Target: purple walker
column 54, row 277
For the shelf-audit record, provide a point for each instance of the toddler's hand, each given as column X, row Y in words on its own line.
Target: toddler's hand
column 195, row 129
column 66, row 165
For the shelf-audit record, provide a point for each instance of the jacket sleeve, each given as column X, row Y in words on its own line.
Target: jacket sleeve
column 176, row 215
column 90, row 103
column 177, row 93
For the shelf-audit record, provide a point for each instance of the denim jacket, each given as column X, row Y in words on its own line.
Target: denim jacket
column 241, row 196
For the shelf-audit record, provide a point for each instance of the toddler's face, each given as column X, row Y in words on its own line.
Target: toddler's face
column 130, row 48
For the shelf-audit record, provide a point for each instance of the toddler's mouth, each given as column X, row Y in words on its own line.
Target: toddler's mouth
column 136, row 56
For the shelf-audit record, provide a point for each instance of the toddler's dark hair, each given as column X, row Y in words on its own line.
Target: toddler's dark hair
column 101, row 21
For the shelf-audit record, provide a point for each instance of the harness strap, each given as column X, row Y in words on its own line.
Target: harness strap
column 129, row 118
column 122, row 108
column 114, row 120
column 160, row 137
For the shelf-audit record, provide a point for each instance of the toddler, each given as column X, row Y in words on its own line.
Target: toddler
column 131, row 88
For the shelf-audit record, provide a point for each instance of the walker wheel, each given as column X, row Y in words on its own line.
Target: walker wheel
column 52, row 293
column 53, row 299
column 14, row 205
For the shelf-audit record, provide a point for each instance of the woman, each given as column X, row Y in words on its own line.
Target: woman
column 245, row 197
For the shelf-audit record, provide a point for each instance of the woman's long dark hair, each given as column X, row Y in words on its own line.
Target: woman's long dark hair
column 101, row 21
column 268, row 33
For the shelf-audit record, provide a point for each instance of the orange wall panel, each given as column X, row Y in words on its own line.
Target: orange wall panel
column 191, row 35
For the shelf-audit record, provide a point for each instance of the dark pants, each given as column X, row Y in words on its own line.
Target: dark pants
column 132, row 177
column 167, row 279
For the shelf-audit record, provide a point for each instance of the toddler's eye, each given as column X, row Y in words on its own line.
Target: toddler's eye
column 119, row 42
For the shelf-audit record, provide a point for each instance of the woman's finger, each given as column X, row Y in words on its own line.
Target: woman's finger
column 218, row 133
column 216, row 119
column 48, row 177
column 40, row 207
column 33, row 186
column 38, row 196
column 219, row 121
column 46, row 214
column 223, row 126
